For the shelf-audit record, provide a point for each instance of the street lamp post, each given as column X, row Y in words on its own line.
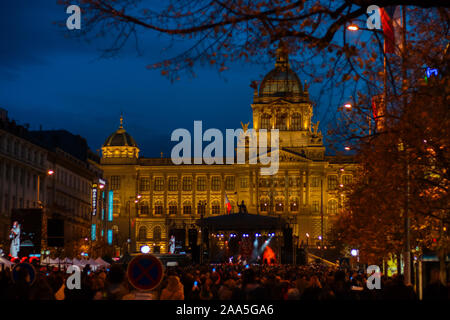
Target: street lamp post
column 136, row 201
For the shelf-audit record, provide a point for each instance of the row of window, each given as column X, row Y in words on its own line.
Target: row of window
column 279, row 206
column 293, row 206
column 187, row 183
column 143, row 235
column 281, row 121
column 229, row 183
column 15, row 202
column 172, row 209
column 72, row 181
column 314, row 181
column 21, row 151
column 17, row 175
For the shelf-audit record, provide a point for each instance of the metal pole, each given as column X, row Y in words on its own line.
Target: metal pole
column 407, row 271
column 321, row 213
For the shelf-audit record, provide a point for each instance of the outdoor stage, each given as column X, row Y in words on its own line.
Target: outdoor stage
column 245, row 237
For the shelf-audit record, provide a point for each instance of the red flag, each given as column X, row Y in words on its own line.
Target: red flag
column 392, row 25
column 227, row 203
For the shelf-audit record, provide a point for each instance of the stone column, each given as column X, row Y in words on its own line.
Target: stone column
column 151, row 196
column 194, row 204
column 286, row 192
column 222, row 189
column 180, row 205
column 208, row 195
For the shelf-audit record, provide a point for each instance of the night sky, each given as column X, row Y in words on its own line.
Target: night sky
column 62, row 83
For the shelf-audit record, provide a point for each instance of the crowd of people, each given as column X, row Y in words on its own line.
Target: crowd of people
column 218, row 282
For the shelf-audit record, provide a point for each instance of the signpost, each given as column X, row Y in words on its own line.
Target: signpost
column 145, row 272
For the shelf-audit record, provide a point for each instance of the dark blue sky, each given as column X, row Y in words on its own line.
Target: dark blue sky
column 62, row 83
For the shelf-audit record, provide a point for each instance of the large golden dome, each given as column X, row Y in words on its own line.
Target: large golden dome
column 281, row 81
column 120, row 138
column 120, row 144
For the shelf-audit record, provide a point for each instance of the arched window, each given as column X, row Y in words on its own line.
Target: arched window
column 296, row 121
column 142, row 235
column 215, row 207
column 173, row 208
column 332, row 207
column 157, row 233
column 279, row 205
column 201, row 207
column 281, row 122
column 144, row 208
column 265, row 121
column 187, row 208
column 264, row 205
column 159, row 208
column 294, row 205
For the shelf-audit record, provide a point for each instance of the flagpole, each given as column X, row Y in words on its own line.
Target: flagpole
column 407, row 271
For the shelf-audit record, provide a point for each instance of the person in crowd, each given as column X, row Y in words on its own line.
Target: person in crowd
column 435, row 290
column 174, row 289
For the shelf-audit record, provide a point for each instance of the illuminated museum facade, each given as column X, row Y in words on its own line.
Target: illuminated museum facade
column 153, row 197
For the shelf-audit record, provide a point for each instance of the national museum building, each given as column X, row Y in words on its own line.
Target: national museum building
column 154, row 198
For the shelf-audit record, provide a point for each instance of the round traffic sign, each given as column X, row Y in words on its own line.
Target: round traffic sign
column 145, row 272
column 25, row 268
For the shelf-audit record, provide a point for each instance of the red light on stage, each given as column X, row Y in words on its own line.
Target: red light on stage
column 269, row 256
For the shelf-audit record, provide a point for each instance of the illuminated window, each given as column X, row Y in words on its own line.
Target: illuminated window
column 244, row 183
column 116, row 207
column 315, row 206
column 144, row 208
column 315, row 182
column 201, row 183
column 296, row 121
column 187, row 208
column 173, row 184
column 201, row 207
column 279, row 207
column 144, row 184
column 142, row 235
column 215, row 183
column 264, row 205
column 347, row 179
column 159, row 208
column 332, row 207
column 265, row 121
column 229, row 183
column 115, row 182
column 159, row 184
column 294, row 204
column 173, row 208
column 187, row 184
column 332, row 182
column 281, row 122
column 215, row 207
column 157, row 233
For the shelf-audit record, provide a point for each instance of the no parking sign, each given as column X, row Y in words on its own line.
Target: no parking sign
column 145, row 272
column 28, row 268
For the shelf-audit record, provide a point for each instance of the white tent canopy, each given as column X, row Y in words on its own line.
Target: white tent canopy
column 102, row 262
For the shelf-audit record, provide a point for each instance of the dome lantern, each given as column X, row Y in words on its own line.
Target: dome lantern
column 120, row 144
